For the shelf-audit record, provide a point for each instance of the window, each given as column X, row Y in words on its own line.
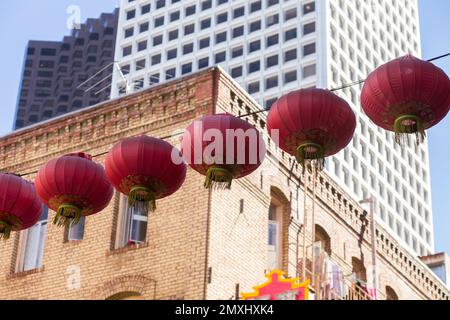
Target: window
column 237, row 52
column 271, row 82
column 272, row 40
column 309, row 28
column 236, row 72
column 221, row 37
column 140, row 64
column 273, row 245
column 238, row 12
column 272, row 20
column 154, row 79
column 170, row 73
column 204, row 43
column 254, row 46
column 221, row 18
column 203, row 63
column 253, row 87
column 142, row 45
column 206, row 4
column 129, row 32
column 32, row 244
column 309, row 71
column 159, row 21
column 76, row 232
column 156, row 59
column 189, row 11
column 48, row 52
column 143, row 27
column 290, row 34
column 188, row 48
column 206, row 23
column 238, row 31
column 309, row 49
column 190, row 28
column 131, row 14
column 271, row 61
column 145, row 9
column 160, row 4
column 254, row 66
column 290, row 14
column 132, row 223
column 272, row 2
column 186, row 68
column 126, row 51
column 255, row 6
column 220, row 57
column 157, row 40
column 309, row 7
column 290, row 55
column 255, row 26
column 268, row 103
column 171, row 54
column 173, row 34
column 174, row 16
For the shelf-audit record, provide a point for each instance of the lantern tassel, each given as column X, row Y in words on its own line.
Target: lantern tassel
column 67, row 215
column 406, row 125
column 140, row 193
column 311, row 155
column 218, row 178
column 5, row 230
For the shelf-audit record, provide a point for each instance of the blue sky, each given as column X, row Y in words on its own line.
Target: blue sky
column 24, row 20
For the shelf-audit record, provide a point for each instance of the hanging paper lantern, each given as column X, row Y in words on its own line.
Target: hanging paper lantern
column 73, row 186
column 222, row 147
column 406, row 96
column 143, row 169
column 312, row 124
column 20, row 207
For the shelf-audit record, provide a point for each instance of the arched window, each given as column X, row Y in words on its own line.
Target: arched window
column 322, row 239
column 391, row 294
column 127, row 295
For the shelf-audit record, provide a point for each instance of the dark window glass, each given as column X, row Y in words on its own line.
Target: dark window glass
column 271, row 2
column 272, row 40
column 223, row 17
column 271, row 61
column 173, row 34
column 203, row 63
column 309, row 28
column 236, row 72
column 237, row 52
column 154, row 78
column 206, row 23
column 109, row 31
column 143, row 27
column 220, row 57
column 309, row 7
column 238, row 31
column 188, row 48
column 189, row 11
column 48, row 52
column 125, row 69
column 219, row 2
column 271, row 82
column 290, row 34
column 206, row 4
column 160, row 4
column 140, row 64
column 145, row 9
column 30, row 51
column 156, row 59
column 254, row 66
column 238, row 12
column 174, row 16
column 131, row 14
column 126, row 51
column 255, row 6
column 159, row 21
column 204, row 43
column 269, row 103
column 254, row 26
column 221, row 37
column 290, row 76
column 290, row 14
column 254, row 46
column 309, row 49
column 157, row 40
column 142, row 45
column 94, row 36
column 186, row 68
column 190, row 28
column 171, row 54
column 170, row 73
column 309, row 71
column 290, row 55
column 253, row 87
column 46, row 64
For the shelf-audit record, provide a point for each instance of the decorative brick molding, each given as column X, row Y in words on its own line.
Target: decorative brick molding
column 140, row 285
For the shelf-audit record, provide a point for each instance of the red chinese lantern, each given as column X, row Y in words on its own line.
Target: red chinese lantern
column 20, row 207
column 222, row 147
column 145, row 169
column 73, row 186
column 406, row 96
column 312, row 124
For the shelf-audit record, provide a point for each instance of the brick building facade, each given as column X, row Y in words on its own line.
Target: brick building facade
column 200, row 244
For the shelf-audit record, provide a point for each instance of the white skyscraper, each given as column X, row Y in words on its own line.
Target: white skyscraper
column 271, row 47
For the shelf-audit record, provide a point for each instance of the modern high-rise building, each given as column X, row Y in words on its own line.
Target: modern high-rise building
column 271, row 47
column 54, row 70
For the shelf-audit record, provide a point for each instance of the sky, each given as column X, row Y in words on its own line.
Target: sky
column 24, row 20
